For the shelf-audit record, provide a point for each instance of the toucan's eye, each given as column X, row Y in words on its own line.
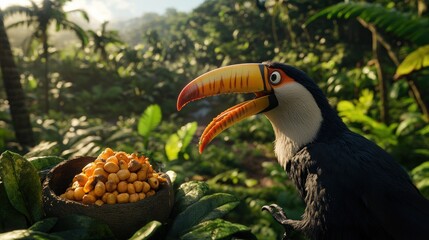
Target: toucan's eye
column 275, row 78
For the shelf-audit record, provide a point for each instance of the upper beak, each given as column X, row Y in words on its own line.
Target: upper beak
column 240, row 78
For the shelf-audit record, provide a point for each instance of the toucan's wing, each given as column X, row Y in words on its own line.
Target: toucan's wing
column 367, row 192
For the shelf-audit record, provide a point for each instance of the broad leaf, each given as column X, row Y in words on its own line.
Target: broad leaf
column 420, row 176
column 147, row 231
column 207, row 208
column 173, row 147
column 413, row 62
column 178, row 142
column 44, row 225
column 404, row 25
column 22, row 184
column 10, row 218
column 189, row 193
column 81, row 227
column 28, row 234
column 218, row 229
column 186, row 133
column 149, row 120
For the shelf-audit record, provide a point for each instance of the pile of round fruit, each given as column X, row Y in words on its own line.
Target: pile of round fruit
column 114, row 177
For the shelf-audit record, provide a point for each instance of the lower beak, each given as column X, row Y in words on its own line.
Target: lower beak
column 240, row 78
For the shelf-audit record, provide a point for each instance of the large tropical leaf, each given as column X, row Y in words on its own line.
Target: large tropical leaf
column 189, row 193
column 146, row 231
column 22, row 185
column 218, row 229
column 207, row 208
column 179, row 141
column 414, row 61
column 149, row 120
column 403, row 25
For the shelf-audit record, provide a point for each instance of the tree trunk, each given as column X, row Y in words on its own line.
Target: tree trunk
column 15, row 93
column 46, row 72
column 382, row 85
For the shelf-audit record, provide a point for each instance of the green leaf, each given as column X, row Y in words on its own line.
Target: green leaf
column 421, row 172
column 207, row 208
column 345, row 106
column 147, row 231
column 188, row 193
column 414, row 61
column 44, row 225
column 186, row 133
column 81, row 227
column 10, row 218
column 22, row 184
column 420, row 176
column 178, row 142
column 218, row 229
column 44, row 162
column 403, row 25
column 149, row 120
column 28, row 234
column 173, row 147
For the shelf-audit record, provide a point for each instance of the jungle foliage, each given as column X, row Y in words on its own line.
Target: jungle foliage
column 118, row 88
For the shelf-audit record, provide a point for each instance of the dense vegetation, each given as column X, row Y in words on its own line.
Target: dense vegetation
column 118, row 89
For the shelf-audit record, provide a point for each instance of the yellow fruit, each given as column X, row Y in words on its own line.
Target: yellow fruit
column 123, row 198
column 122, row 164
column 132, row 178
column 112, row 159
column 99, row 189
column 99, row 202
column 138, row 186
column 134, row 166
column 100, row 171
column 130, row 188
column 113, row 177
column 110, row 186
column 150, row 193
column 78, row 194
column 153, row 182
column 134, row 197
column 81, row 179
column 146, row 187
column 90, row 184
column 111, row 167
column 111, row 198
column 88, row 199
column 122, row 187
column 123, row 174
column 70, row 194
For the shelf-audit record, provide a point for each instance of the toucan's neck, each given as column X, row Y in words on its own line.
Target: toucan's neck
column 296, row 120
column 302, row 117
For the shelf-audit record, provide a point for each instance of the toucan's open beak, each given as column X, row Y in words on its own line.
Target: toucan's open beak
column 240, row 78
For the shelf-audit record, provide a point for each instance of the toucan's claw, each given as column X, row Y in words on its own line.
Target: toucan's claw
column 277, row 212
column 280, row 216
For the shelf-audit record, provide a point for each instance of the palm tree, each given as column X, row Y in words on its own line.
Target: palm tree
column 15, row 94
column 406, row 26
column 41, row 17
column 102, row 38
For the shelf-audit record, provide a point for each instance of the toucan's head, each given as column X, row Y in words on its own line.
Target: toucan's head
column 294, row 104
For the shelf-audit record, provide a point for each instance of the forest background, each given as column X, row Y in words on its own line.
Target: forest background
column 73, row 91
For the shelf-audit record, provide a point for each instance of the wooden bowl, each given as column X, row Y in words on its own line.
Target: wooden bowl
column 123, row 219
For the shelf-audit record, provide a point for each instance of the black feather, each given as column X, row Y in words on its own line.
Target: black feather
column 352, row 188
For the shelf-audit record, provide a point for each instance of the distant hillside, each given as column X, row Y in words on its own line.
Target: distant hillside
column 132, row 31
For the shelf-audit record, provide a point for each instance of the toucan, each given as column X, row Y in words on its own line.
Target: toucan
column 351, row 187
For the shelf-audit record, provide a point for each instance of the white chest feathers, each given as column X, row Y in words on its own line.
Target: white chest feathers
column 296, row 120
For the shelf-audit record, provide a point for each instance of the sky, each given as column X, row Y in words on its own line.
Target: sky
column 117, row 10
